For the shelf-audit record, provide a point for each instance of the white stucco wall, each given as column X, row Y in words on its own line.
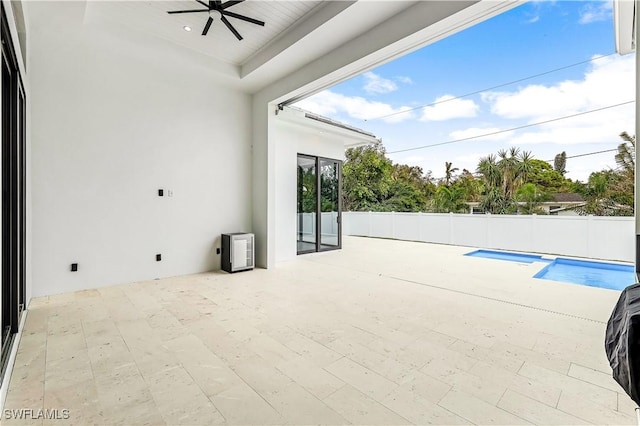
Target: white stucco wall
column 112, row 125
column 291, row 139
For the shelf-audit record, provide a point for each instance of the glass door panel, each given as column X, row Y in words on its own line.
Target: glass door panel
column 307, row 205
column 329, row 204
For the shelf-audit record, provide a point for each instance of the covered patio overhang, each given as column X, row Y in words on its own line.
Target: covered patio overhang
column 414, row 25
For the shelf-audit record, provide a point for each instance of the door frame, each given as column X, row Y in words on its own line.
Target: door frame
column 318, row 243
column 319, row 205
column 309, row 157
column 13, row 157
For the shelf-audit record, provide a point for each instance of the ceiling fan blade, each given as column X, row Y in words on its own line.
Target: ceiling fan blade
column 217, row 4
column 231, row 28
column 207, row 26
column 203, row 3
column 242, row 17
column 171, row 12
column 230, row 3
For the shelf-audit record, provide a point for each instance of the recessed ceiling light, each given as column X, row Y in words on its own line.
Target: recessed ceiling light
column 186, row 28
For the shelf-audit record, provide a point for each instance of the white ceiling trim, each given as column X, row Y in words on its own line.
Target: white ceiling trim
column 303, row 27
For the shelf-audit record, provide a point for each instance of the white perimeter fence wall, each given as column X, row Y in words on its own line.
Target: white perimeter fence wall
column 608, row 238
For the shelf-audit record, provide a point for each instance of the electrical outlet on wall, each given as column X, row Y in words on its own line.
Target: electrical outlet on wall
column 169, row 192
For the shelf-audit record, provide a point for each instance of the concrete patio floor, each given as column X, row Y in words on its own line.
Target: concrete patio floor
column 382, row 332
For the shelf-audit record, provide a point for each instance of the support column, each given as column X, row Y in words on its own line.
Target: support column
column 637, row 133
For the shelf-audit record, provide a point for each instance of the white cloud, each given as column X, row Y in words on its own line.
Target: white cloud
column 596, row 12
column 607, row 82
column 404, row 79
column 331, row 104
column 447, row 108
column 374, row 84
column 600, row 127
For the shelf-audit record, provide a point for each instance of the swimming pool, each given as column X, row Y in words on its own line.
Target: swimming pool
column 593, row 274
column 504, row 255
column 613, row 276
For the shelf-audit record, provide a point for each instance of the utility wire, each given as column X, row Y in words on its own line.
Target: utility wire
column 551, row 161
column 509, row 130
column 586, row 154
column 493, row 87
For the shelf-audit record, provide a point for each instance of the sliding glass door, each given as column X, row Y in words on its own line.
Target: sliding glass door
column 319, row 206
column 307, row 204
column 13, row 203
column 330, row 235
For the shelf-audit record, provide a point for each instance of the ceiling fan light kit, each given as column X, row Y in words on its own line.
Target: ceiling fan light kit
column 221, row 8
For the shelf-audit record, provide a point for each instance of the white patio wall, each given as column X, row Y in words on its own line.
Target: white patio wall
column 607, row 238
column 114, row 122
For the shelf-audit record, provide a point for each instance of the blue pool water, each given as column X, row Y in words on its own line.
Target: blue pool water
column 594, row 274
column 503, row 255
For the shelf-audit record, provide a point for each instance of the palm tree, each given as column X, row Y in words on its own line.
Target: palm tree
column 470, row 186
column 503, row 175
column 530, row 196
column 626, row 156
column 450, row 200
column 490, row 171
column 448, row 172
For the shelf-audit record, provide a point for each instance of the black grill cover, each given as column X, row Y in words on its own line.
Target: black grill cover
column 622, row 341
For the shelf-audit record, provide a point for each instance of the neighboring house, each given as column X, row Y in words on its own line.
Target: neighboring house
column 563, row 204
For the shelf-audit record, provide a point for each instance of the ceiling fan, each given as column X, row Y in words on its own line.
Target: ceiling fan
column 220, row 7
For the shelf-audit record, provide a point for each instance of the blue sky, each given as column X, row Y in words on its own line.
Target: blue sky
column 530, row 39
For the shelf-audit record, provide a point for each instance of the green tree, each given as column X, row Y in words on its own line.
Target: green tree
column 626, row 156
column 367, row 177
column 611, row 192
column 622, row 189
column 373, row 182
column 414, row 176
column 531, row 197
column 470, row 186
column 403, row 197
column 450, row 200
column 603, row 196
column 547, row 179
column 502, row 175
column 307, row 197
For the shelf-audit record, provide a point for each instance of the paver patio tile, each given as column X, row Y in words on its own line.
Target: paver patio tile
column 534, row 411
